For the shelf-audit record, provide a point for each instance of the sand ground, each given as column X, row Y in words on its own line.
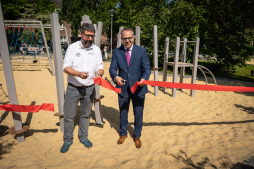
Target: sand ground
column 210, row 130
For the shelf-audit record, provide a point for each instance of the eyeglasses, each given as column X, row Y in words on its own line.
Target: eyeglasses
column 129, row 38
column 89, row 36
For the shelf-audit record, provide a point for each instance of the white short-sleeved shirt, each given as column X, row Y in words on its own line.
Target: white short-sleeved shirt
column 83, row 60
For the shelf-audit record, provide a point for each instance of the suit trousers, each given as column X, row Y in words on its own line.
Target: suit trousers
column 73, row 96
column 138, row 106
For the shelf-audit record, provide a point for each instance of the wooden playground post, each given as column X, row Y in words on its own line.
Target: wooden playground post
column 98, row 34
column 98, row 117
column 86, row 19
column 183, row 63
column 138, row 35
column 58, row 60
column 119, row 40
column 9, row 77
column 95, row 27
column 155, row 51
column 165, row 63
column 175, row 68
column 183, row 59
column 195, row 65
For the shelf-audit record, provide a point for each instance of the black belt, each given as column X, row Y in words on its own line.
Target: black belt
column 81, row 87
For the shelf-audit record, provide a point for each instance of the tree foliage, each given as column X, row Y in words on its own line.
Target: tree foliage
column 224, row 27
column 28, row 10
column 224, row 31
column 98, row 10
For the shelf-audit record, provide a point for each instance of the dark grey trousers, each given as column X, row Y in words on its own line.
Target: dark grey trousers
column 73, row 96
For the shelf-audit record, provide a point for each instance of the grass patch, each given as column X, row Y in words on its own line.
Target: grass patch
column 240, row 73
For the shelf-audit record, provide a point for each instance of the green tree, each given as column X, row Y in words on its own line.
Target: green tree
column 146, row 14
column 224, row 27
column 28, row 10
column 98, row 10
column 224, row 31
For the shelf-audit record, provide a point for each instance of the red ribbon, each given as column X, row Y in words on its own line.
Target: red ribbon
column 106, row 84
column 27, row 108
column 194, row 86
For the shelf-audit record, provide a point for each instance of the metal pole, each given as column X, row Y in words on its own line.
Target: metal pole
column 9, row 77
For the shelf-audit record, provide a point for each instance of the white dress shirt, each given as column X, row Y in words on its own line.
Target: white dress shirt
column 130, row 50
column 83, row 60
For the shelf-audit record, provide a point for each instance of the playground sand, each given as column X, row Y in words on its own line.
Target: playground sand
column 210, row 130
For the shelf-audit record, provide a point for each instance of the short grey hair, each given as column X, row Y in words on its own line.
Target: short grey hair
column 87, row 27
column 127, row 29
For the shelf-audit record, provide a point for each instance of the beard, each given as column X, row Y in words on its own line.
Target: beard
column 87, row 43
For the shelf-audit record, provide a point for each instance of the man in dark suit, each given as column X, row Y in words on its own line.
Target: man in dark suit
column 130, row 63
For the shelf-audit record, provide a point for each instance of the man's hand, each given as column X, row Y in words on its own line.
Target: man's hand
column 98, row 76
column 119, row 81
column 72, row 72
column 141, row 82
column 99, row 73
column 83, row 75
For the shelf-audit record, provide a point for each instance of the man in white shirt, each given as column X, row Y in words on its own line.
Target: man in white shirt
column 82, row 63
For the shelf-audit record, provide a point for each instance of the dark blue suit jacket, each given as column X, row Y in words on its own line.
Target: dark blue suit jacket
column 139, row 68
